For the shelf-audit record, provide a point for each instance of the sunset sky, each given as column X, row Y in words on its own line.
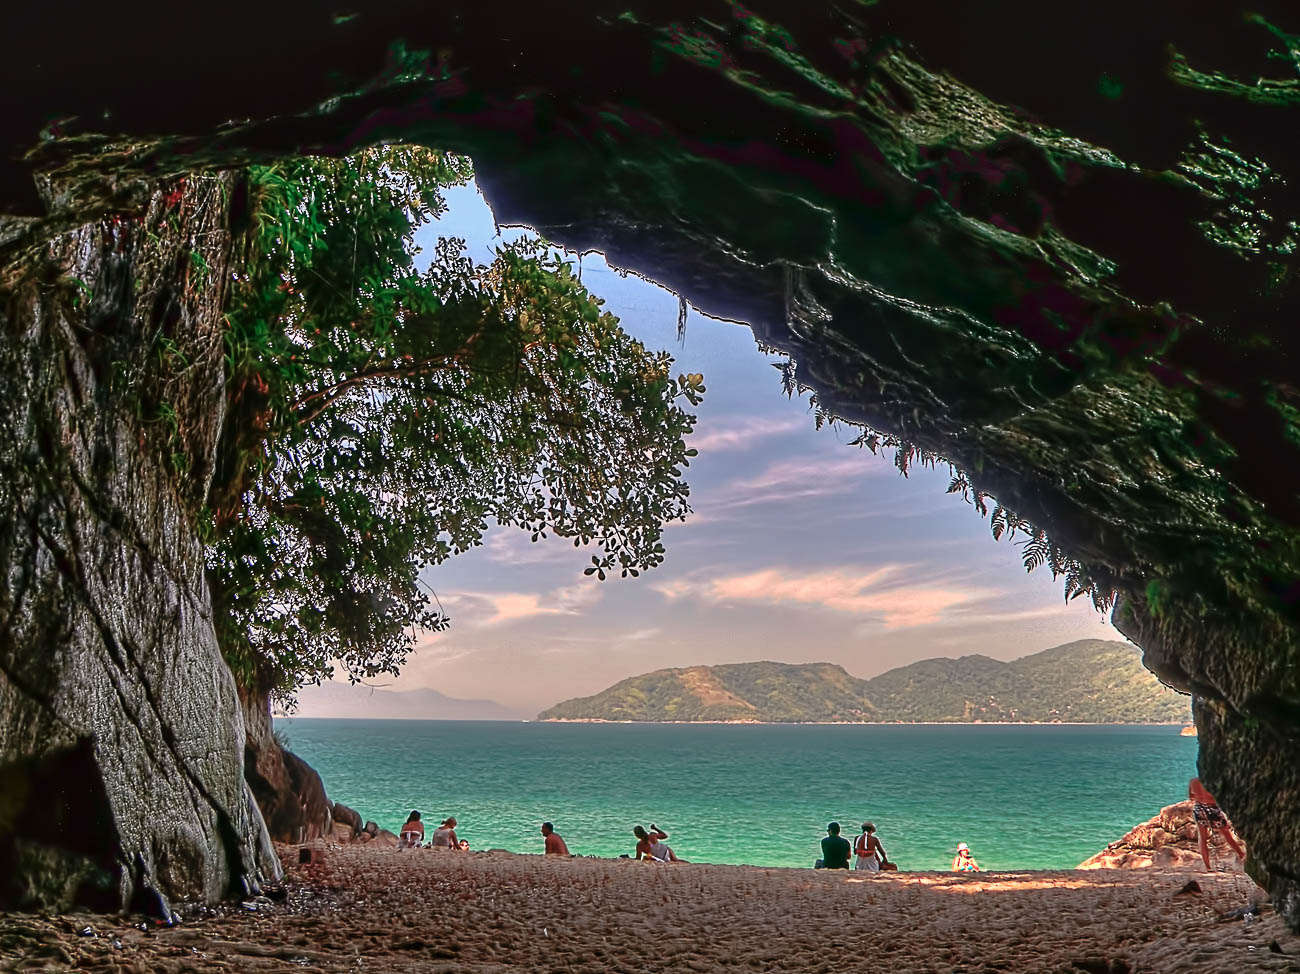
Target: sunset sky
column 802, row 548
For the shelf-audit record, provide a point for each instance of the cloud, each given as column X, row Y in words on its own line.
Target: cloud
column 482, row 610
column 745, row 434
column 796, row 479
column 884, row 593
column 513, row 546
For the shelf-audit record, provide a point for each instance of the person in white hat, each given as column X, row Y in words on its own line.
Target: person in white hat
column 964, row 862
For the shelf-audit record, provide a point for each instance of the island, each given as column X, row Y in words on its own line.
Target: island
column 1087, row 681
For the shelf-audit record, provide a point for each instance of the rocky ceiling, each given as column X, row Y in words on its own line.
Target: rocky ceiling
column 1060, row 250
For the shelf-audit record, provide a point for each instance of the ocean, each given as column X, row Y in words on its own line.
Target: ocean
column 1023, row 797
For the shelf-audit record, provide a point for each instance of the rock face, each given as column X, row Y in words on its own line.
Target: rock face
column 120, row 730
column 1066, row 257
column 1168, row 840
column 289, row 792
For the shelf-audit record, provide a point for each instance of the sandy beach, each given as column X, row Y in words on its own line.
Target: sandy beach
column 366, row 909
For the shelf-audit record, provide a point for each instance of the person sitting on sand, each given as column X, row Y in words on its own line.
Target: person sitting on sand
column 964, row 862
column 870, row 853
column 554, row 844
column 463, row 845
column 1209, row 817
column 412, row 833
column 444, row 836
column 650, row 845
column 835, row 848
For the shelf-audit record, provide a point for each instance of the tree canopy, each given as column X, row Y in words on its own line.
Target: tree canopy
column 382, row 415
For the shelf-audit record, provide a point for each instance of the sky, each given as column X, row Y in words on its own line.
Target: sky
column 801, row 548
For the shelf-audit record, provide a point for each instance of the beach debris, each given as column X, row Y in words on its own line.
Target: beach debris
column 87, row 932
column 1244, row 913
column 1190, row 888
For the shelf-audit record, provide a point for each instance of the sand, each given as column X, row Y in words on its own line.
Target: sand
column 368, row 909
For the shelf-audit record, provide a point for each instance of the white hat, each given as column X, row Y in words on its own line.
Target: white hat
column 963, row 847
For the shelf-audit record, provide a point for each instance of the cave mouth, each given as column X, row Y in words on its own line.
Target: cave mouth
column 956, row 260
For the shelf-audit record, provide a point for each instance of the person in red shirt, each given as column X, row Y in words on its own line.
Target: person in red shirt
column 554, row 844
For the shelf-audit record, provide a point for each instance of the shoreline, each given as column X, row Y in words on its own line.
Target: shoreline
column 488, row 912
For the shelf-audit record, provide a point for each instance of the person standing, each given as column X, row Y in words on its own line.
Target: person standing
column 870, row 853
column 1209, row 817
column 554, row 844
column 835, row 848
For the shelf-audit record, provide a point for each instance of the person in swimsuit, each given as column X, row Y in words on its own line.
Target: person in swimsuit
column 650, row 845
column 412, row 833
column 1210, row 818
column 964, row 862
column 870, row 853
column 463, row 845
column 444, row 836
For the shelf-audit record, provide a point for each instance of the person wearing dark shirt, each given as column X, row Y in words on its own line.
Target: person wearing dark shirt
column 835, row 848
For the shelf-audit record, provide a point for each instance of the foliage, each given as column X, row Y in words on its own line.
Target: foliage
column 381, row 416
column 1087, row 681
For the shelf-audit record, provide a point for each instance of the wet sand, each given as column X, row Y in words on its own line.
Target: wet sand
column 366, row 909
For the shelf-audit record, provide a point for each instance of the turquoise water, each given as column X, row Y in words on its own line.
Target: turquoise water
column 1037, row 797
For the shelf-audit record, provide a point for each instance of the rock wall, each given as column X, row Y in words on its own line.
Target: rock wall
column 121, row 736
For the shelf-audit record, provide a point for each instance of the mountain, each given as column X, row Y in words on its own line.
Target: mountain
column 1088, row 681
column 333, row 699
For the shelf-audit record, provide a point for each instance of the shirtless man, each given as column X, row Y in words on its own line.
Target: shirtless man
column 554, row 844
column 1208, row 816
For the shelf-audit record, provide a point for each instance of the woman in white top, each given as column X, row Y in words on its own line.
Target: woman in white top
column 870, row 853
column 444, row 836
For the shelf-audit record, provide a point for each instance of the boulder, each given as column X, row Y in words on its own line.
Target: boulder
column 1169, row 840
column 349, row 817
column 372, row 829
column 289, row 792
column 385, row 839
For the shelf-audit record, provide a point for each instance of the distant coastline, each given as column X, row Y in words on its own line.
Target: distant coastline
column 1089, row 681
column 877, row 723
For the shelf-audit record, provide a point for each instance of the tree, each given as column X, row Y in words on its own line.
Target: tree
column 381, row 416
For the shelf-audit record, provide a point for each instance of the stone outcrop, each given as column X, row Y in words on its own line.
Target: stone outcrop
column 289, row 792
column 1168, row 840
column 349, row 818
column 120, row 732
column 1067, row 259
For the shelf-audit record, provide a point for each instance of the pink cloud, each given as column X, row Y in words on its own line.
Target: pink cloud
column 882, row 593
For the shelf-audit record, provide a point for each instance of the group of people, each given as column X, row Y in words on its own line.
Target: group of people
column 650, row 845
column 444, row 836
column 869, row 854
column 866, row 850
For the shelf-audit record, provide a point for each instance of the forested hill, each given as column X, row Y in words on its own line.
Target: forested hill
column 1089, row 681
